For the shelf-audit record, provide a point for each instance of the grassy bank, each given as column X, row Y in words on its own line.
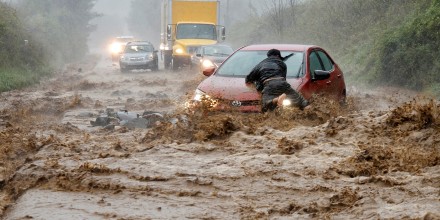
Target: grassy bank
column 16, row 78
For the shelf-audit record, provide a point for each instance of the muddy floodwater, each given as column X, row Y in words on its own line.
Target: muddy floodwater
column 378, row 157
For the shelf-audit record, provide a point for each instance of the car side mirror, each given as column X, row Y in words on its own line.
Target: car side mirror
column 321, row 75
column 223, row 33
column 198, row 55
column 208, row 71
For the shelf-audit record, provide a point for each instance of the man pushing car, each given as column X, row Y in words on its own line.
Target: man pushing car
column 269, row 77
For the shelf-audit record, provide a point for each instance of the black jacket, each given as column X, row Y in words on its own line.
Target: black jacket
column 268, row 68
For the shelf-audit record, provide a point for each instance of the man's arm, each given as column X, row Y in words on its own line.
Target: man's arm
column 284, row 70
column 254, row 75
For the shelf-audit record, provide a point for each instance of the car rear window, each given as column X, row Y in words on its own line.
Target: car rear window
column 241, row 63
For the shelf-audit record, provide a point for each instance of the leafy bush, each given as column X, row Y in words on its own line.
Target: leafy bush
column 410, row 54
column 21, row 63
column 61, row 27
column 11, row 39
column 49, row 33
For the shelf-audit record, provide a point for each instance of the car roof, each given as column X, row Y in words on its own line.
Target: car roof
column 140, row 43
column 292, row 47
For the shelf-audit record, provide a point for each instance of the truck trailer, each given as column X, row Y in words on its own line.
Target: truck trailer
column 187, row 25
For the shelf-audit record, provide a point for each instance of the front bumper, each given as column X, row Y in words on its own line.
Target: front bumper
column 182, row 59
column 137, row 64
column 225, row 105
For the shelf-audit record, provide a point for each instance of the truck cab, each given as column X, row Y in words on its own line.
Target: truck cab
column 193, row 24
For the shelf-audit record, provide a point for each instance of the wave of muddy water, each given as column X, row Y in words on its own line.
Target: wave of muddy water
column 377, row 157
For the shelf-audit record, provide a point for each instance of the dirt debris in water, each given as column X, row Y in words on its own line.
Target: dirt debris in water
column 375, row 157
column 408, row 139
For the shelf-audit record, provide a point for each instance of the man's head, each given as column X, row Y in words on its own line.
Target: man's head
column 274, row 53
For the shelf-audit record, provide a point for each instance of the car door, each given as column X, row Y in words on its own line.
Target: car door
column 318, row 60
column 333, row 81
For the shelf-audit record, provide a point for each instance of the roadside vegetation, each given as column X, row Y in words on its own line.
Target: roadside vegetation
column 21, row 63
column 37, row 37
column 377, row 42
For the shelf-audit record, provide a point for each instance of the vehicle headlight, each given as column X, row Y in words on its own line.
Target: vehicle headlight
column 149, row 57
column 287, row 102
column 122, row 58
column 205, row 99
column 115, row 48
column 198, row 95
column 179, row 50
column 208, row 64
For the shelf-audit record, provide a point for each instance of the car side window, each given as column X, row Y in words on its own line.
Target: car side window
column 314, row 64
column 328, row 64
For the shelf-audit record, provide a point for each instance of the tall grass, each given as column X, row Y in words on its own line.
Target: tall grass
column 16, row 77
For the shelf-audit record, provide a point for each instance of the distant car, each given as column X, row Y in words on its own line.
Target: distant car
column 117, row 46
column 139, row 55
column 310, row 70
column 210, row 55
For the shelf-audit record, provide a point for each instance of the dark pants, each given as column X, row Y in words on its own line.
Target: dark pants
column 275, row 88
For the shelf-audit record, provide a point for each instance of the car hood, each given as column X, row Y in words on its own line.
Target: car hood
column 130, row 55
column 195, row 42
column 230, row 88
column 234, row 88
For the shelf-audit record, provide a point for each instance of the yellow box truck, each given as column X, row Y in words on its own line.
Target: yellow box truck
column 187, row 25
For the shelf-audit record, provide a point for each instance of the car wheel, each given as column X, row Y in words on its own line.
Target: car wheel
column 167, row 61
column 156, row 66
column 343, row 100
column 123, row 70
column 175, row 65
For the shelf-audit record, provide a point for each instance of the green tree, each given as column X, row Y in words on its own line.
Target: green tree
column 62, row 27
column 15, row 50
column 409, row 55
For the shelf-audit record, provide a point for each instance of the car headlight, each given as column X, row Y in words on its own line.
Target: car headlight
column 287, row 102
column 149, row 57
column 179, row 50
column 115, row 48
column 198, row 95
column 205, row 99
column 208, row 64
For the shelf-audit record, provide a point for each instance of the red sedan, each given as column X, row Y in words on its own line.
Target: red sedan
column 310, row 70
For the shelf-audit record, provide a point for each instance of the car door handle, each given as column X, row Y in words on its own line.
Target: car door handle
column 329, row 82
column 339, row 75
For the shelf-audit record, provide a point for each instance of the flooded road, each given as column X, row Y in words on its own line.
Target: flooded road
column 377, row 157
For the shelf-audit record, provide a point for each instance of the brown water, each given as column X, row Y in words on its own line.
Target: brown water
column 377, row 157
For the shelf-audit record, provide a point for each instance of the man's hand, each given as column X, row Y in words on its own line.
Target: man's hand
column 249, row 84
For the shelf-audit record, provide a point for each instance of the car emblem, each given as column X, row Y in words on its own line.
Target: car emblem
column 236, row 103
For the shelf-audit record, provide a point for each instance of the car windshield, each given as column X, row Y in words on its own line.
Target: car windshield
column 196, row 31
column 241, row 63
column 138, row 48
column 217, row 51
